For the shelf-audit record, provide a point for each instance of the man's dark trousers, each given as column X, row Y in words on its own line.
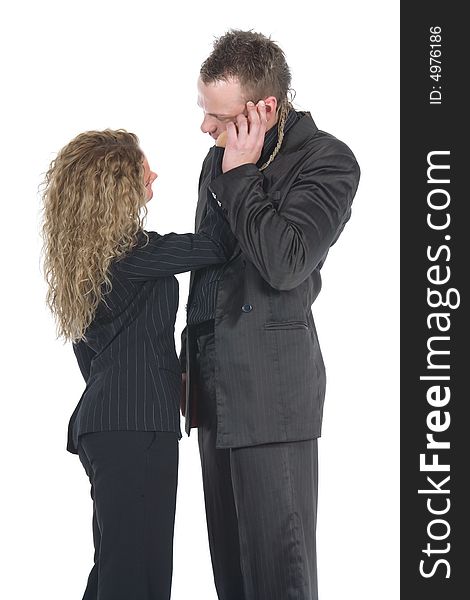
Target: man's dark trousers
column 260, row 501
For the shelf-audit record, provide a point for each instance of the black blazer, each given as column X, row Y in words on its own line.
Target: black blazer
column 128, row 360
column 270, row 376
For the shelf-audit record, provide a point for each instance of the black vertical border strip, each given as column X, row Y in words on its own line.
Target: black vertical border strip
column 426, row 128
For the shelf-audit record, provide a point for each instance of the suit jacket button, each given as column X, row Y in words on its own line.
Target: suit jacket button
column 247, row 308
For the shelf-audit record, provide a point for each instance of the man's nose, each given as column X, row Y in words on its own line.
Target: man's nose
column 208, row 125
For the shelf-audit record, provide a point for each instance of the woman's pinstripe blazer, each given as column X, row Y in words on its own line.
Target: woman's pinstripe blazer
column 128, row 358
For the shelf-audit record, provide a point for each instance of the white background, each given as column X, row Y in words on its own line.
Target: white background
column 67, row 67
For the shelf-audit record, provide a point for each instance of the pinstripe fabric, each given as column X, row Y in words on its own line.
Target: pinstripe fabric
column 269, row 368
column 275, row 492
column 129, row 361
column 261, row 505
column 202, row 306
column 204, row 295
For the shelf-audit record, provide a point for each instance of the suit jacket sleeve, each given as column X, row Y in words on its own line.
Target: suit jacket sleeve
column 173, row 253
column 84, row 355
column 287, row 245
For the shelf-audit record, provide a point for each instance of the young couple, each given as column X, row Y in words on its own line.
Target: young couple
column 271, row 203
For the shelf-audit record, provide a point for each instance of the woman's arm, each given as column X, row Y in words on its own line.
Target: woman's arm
column 173, row 253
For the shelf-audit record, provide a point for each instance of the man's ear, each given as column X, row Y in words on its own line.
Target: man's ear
column 271, row 108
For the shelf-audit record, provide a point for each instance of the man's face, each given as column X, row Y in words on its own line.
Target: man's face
column 221, row 102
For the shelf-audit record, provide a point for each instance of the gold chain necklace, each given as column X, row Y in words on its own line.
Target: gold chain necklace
column 280, row 133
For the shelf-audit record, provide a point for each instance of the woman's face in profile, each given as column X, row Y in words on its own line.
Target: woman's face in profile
column 149, row 178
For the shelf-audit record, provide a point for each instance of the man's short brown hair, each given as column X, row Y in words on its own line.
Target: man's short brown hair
column 254, row 60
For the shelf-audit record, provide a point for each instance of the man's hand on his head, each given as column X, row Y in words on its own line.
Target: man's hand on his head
column 245, row 139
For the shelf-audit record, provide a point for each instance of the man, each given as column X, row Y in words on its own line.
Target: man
column 255, row 378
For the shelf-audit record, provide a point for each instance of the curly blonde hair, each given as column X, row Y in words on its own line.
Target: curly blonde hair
column 93, row 209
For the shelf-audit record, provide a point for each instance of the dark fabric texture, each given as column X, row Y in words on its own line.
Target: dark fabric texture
column 270, row 375
column 261, row 505
column 133, row 478
column 129, row 360
column 204, row 296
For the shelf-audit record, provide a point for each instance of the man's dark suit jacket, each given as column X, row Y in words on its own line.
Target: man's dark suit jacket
column 129, row 360
column 270, row 376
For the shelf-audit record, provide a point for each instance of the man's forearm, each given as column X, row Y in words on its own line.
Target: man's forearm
column 287, row 245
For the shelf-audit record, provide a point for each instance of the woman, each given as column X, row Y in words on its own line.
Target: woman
column 113, row 292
